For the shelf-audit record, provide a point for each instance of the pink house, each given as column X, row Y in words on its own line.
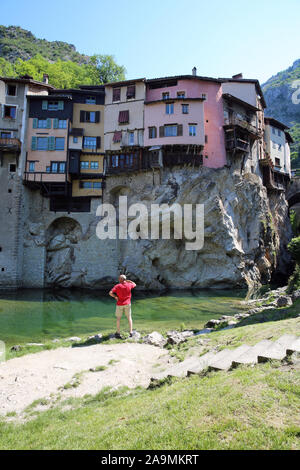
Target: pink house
column 184, row 116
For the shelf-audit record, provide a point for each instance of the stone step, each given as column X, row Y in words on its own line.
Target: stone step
column 177, row 370
column 202, row 363
column 294, row 347
column 225, row 362
column 277, row 350
column 250, row 356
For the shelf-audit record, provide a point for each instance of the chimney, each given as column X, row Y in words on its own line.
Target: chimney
column 46, row 78
column 238, row 76
column 194, row 71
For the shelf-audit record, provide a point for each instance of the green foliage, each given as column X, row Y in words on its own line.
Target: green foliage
column 294, row 280
column 294, row 248
column 294, row 222
column 22, row 53
column 68, row 74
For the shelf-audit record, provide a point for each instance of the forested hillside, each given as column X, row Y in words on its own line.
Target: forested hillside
column 22, row 53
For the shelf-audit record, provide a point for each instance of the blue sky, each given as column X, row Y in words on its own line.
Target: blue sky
column 157, row 38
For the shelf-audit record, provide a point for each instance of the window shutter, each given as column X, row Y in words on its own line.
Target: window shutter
column 155, row 132
column 44, row 105
column 150, row 136
column 55, row 123
column 48, row 123
column 35, row 123
column 97, row 117
column 98, row 142
column 161, row 131
column 60, row 105
column 82, row 116
column 179, row 129
column 51, row 143
column 33, row 143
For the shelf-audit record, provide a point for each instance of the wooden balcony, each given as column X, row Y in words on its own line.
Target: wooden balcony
column 50, row 184
column 10, row 145
column 243, row 124
column 234, row 143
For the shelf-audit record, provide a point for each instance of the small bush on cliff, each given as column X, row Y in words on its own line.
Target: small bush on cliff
column 294, row 249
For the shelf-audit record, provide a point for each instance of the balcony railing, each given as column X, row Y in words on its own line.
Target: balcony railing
column 234, row 120
column 10, row 144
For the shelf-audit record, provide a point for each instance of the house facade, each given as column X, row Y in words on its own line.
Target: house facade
column 13, row 123
column 277, row 161
column 124, row 125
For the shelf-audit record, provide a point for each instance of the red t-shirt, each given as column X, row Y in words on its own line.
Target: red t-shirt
column 123, row 291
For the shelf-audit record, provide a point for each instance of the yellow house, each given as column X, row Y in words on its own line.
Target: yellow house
column 86, row 141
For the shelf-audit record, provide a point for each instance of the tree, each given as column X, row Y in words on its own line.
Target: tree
column 105, row 69
column 6, row 68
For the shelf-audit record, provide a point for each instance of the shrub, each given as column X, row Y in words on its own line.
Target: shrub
column 294, row 248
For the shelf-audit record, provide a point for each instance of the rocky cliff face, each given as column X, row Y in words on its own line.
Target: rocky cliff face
column 278, row 92
column 246, row 233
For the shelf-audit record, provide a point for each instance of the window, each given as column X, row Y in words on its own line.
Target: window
column 42, row 143
column 94, row 165
column 273, row 130
column 166, row 96
column 169, row 108
column 97, row 185
column 180, row 94
column 170, row 131
column 152, row 132
column 185, row 108
column 89, row 116
column 117, row 137
column 277, row 161
column 75, row 140
column 130, row 92
column 279, row 132
column 5, row 135
column 116, row 94
column 42, row 124
column 53, row 105
column 90, row 100
column 31, row 166
column 12, row 167
column 130, row 138
column 11, row 90
column 58, row 167
column 62, row 124
column 114, row 161
column 192, row 130
column 59, row 143
column 48, row 169
column 124, row 117
column 54, row 167
column 84, row 165
column 90, row 143
column 10, row 112
column 87, row 184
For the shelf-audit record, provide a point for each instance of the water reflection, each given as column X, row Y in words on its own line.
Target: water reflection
column 39, row 315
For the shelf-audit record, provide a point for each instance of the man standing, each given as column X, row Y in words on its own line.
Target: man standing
column 122, row 293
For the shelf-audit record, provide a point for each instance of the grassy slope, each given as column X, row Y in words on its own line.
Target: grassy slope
column 247, row 408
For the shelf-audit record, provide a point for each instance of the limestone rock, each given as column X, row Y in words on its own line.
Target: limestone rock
column 155, row 339
column 212, row 323
column 176, row 337
column 96, row 338
column 73, row 339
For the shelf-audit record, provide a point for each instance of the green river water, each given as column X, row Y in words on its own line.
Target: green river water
column 41, row 315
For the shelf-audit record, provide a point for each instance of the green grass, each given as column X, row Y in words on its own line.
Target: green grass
column 248, row 408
